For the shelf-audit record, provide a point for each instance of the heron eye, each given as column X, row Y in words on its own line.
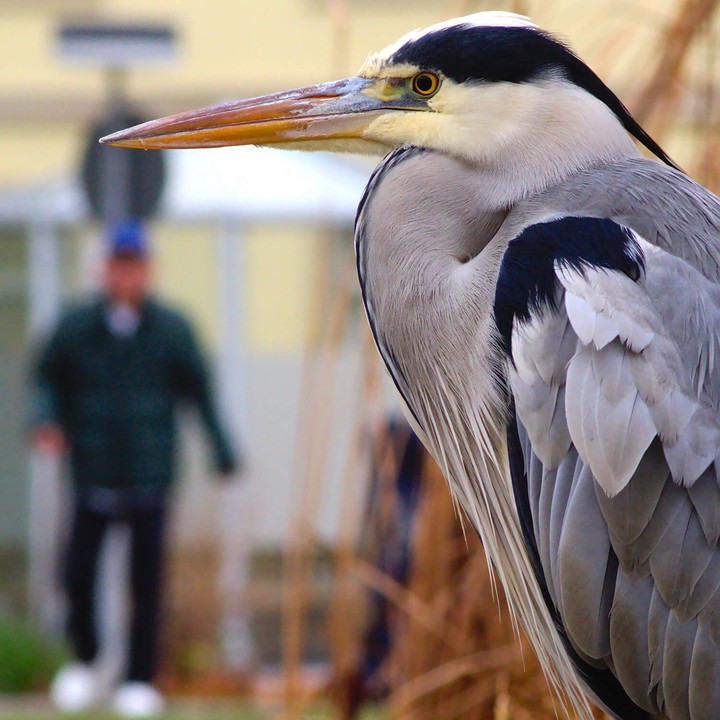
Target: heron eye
column 425, row 84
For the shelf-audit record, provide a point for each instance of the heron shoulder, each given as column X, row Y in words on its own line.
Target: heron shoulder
column 527, row 282
column 659, row 203
column 586, row 324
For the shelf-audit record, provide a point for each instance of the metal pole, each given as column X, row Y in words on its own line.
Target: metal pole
column 112, row 603
column 116, row 167
column 44, row 275
column 46, row 498
column 231, row 310
column 237, row 644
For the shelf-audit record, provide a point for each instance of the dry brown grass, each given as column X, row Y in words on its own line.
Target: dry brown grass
column 456, row 655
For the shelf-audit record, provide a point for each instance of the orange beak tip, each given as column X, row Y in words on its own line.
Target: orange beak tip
column 121, row 139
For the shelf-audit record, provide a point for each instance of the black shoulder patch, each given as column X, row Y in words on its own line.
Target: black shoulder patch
column 527, row 282
column 513, row 54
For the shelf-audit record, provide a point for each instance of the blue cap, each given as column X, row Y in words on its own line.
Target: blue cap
column 128, row 238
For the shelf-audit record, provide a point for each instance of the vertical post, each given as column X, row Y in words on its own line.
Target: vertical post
column 44, row 275
column 46, row 501
column 115, row 176
column 237, row 644
column 112, row 604
column 231, row 267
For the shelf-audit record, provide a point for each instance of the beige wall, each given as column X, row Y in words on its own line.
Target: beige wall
column 241, row 47
column 231, row 48
column 278, row 275
column 227, row 47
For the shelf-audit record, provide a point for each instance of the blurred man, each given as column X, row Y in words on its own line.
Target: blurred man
column 107, row 386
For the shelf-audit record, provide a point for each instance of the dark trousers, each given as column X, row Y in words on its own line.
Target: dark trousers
column 146, row 555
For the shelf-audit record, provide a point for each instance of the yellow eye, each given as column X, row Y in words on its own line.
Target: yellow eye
column 425, row 84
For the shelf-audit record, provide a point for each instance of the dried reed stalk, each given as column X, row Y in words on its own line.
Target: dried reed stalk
column 315, row 414
column 456, row 655
column 660, row 95
column 346, row 606
column 706, row 167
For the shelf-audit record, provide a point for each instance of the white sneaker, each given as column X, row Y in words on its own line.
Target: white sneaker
column 75, row 688
column 137, row 700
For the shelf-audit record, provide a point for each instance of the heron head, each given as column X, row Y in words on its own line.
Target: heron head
column 471, row 87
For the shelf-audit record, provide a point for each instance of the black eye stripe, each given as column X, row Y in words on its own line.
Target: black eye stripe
column 511, row 54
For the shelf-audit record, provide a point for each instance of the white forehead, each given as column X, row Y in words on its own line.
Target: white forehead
column 493, row 18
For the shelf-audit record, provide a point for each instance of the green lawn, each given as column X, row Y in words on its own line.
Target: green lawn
column 38, row 709
column 184, row 714
column 180, row 715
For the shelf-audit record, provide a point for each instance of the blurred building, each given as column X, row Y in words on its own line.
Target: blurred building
column 252, row 261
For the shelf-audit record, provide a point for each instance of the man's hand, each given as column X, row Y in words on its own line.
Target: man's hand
column 230, row 469
column 49, row 440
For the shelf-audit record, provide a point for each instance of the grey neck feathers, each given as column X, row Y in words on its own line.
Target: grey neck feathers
column 424, row 222
column 428, row 252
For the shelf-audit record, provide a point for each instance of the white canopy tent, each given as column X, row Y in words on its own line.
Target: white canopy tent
column 245, row 184
column 227, row 187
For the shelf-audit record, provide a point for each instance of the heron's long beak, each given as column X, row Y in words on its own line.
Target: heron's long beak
column 335, row 110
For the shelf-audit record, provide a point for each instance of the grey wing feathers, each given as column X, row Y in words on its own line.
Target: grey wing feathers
column 628, row 381
column 616, row 392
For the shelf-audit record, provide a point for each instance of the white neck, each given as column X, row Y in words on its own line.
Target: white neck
column 522, row 137
column 554, row 132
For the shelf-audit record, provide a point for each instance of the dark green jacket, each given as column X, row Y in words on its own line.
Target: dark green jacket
column 116, row 398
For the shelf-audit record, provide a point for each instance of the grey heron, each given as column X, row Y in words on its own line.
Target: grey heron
column 545, row 299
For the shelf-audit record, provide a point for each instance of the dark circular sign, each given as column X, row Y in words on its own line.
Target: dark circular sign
column 134, row 179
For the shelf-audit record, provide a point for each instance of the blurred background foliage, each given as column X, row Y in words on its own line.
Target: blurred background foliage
column 28, row 657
